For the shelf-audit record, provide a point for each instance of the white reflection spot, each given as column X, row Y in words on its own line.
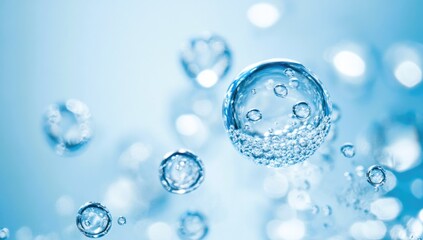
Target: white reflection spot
column 349, row 64
column 263, row 15
column 408, row 73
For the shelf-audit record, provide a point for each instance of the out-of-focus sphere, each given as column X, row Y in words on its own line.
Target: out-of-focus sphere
column 181, row 172
column 4, row 233
column 94, row 220
column 68, row 126
column 192, row 226
column 206, row 59
column 277, row 113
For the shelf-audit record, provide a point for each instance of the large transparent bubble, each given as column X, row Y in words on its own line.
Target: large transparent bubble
column 277, row 113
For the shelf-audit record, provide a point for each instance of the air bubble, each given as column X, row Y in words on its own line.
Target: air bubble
column 121, row 220
column 348, row 150
column 376, row 176
column 193, row 226
column 294, row 83
column 280, row 90
column 94, row 220
column 280, row 132
column 4, row 233
column 181, row 172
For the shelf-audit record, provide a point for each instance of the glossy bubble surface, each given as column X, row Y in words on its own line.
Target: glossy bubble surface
column 192, row 226
column 68, row 126
column 348, row 150
column 376, row 176
column 206, row 59
column 277, row 113
column 121, row 220
column 94, row 220
column 181, row 172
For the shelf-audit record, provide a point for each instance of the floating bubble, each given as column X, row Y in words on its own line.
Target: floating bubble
column 254, row 115
column 327, row 210
column 121, row 220
column 4, row 233
column 94, row 220
column 376, row 176
column 348, row 150
column 192, row 226
column 206, row 59
column 280, row 90
column 291, row 128
column 68, row 126
column 181, row 172
column 336, row 113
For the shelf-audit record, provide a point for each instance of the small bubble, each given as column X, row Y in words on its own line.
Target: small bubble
column 280, row 90
column 327, row 210
column 348, row 176
column 301, row 110
column 315, row 209
column 348, row 150
column 181, row 172
column 253, row 91
column 289, row 72
column 193, row 226
column 121, row 220
column 293, row 82
column 359, row 170
column 376, row 176
column 254, row 115
column 336, row 113
column 4, row 233
column 94, row 220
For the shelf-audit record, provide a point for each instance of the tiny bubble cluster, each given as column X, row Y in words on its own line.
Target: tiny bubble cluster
column 67, row 126
column 277, row 113
column 206, row 59
column 376, row 176
column 181, row 172
column 94, row 220
column 348, row 150
column 193, row 226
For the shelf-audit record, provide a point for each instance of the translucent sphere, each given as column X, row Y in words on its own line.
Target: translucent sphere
column 277, row 113
column 348, row 150
column 121, row 220
column 67, row 126
column 192, row 226
column 94, row 220
column 206, row 59
column 4, row 233
column 181, row 172
column 376, row 176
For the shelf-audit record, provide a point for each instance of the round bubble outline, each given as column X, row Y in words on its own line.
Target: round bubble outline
column 95, row 205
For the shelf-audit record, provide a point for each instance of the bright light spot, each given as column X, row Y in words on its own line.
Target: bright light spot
column 65, row 206
column 391, row 181
column 263, row 15
column 349, row 64
column 188, row 124
column 405, row 151
column 207, row 78
column 386, row 208
column 421, row 215
column 371, row 230
column 415, row 227
column 121, row 196
column 408, row 73
column 291, row 230
column 417, row 188
column 299, row 199
column 159, row 231
column 276, row 186
column 398, row 232
column 135, row 155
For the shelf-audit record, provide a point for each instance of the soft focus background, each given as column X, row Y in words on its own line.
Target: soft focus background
column 121, row 58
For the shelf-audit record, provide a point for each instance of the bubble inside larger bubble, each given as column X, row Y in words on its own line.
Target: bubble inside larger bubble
column 273, row 121
column 94, row 220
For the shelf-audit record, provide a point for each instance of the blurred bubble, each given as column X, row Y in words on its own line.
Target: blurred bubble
column 421, row 215
column 386, row 209
column 276, row 185
column 24, row 233
column 376, row 176
column 192, row 226
column 121, row 220
column 290, row 230
column 398, row 232
column 299, row 199
column 405, row 63
column 368, row 230
column 327, row 210
column 414, row 228
column 4, row 233
column 121, row 196
column 67, row 126
column 160, row 231
column 94, row 220
column 349, row 63
column 271, row 130
column 336, row 113
column 135, row 155
column 263, row 15
column 348, row 150
column 206, row 59
column 181, row 172
column 395, row 142
column 417, row 188
column 65, row 206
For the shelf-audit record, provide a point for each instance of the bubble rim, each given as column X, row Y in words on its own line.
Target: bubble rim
column 79, row 220
column 168, row 157
column 196, row 214
column 378, row 167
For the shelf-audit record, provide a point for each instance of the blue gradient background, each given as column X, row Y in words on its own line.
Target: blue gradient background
column 121, row 59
